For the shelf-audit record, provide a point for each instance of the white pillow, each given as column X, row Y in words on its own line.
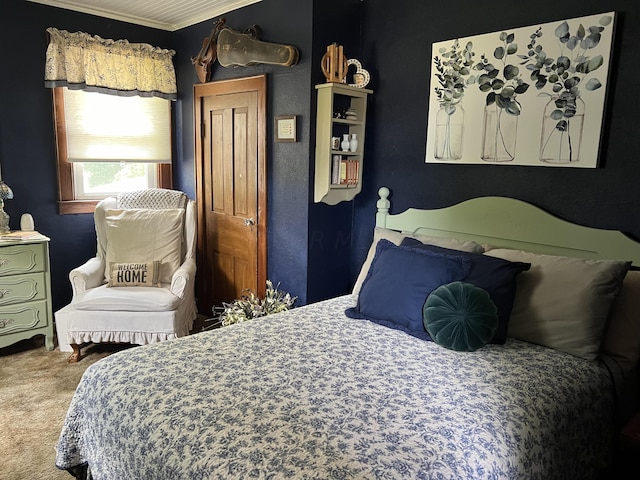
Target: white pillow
column 396, row 238
column 563, row 302
column 142, row 236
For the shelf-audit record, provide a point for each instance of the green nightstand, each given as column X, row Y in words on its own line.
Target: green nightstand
column 25, row 290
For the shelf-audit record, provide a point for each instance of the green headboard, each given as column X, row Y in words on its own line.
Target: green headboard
column 509, row 223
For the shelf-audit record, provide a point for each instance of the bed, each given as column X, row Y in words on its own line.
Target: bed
column 342, row 389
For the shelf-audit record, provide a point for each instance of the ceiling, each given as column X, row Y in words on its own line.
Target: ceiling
column 168, row 15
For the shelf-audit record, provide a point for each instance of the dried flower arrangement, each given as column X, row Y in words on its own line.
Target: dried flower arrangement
column 250, row 306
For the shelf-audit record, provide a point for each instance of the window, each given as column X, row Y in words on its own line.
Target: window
column 108, row 144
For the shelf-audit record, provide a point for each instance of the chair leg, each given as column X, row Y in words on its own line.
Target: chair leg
column 75, row 356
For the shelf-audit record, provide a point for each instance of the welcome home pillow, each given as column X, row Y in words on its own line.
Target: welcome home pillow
column 134, row 274
column 145, row 236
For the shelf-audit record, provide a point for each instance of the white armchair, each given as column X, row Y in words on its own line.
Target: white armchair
column 153, row 231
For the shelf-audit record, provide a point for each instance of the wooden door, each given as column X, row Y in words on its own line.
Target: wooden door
column 230, row 180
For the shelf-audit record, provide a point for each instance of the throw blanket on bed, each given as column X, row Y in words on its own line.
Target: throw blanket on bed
column 311, row 394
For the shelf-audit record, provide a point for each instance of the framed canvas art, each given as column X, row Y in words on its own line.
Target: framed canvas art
column 524, row 96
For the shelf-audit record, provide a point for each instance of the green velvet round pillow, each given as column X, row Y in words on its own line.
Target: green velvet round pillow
column 460, row 316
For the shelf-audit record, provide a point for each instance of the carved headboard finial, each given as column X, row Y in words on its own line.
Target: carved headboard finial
column 383, row 205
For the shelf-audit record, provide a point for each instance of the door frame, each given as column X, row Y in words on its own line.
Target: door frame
column 258, row 84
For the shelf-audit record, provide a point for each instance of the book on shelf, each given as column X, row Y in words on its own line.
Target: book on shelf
column 335, row 170
column 344, row 171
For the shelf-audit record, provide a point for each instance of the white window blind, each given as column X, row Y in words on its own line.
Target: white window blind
column 109, row 128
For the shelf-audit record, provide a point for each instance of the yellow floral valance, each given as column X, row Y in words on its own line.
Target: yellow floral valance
column 82, row 61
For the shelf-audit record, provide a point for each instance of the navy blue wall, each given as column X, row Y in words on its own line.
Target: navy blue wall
column 397, row 50
column 27, row 150
column 27, row 146
column 309, row 245
column 316, row 250
column 330, row 226
column 288, row 93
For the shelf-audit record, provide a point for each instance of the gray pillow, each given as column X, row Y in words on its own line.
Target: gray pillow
column 622, row 335
column 396, row 238
column 563, row 302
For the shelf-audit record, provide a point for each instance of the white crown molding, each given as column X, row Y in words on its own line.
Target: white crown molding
column 156, row 18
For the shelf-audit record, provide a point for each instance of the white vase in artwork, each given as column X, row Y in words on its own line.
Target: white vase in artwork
column 499, row 134
column 353, row 143
column 562, row 128
column 449, row 131
column 345, row 142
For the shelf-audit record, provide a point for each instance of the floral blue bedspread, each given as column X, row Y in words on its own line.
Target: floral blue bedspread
column 312, row 394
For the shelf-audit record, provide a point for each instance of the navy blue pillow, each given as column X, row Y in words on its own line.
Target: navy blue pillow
column 495, row 275
column 398, row 283
column 460, row 316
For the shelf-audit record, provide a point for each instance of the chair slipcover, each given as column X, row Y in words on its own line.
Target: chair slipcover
column 140, row 314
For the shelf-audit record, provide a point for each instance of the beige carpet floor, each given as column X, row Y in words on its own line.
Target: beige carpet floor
column 36, row 387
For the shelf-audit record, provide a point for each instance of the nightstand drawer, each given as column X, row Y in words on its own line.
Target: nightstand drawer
column 22, row 288
column 28, row 258
column 27, row 316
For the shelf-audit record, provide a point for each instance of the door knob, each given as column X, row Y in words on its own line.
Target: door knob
column 249, row 222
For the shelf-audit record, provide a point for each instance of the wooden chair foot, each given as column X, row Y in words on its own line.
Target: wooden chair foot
column 75, row 356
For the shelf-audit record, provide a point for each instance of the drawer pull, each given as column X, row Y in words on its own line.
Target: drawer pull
column 4, row 291
column 4, row 261
column 5, row 322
